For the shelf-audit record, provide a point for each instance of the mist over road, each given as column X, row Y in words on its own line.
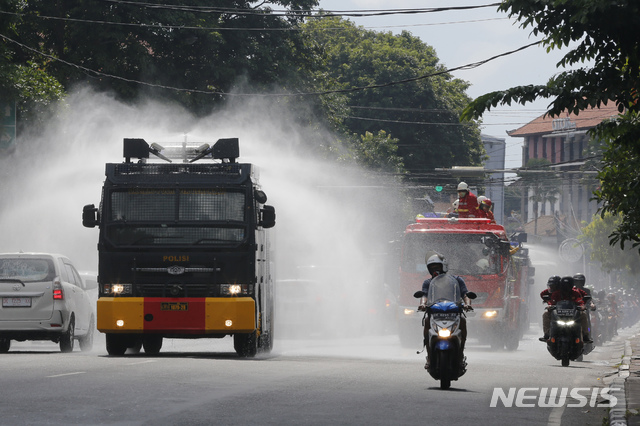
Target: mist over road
column 366, row 380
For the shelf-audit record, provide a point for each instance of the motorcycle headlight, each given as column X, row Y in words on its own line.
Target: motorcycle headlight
column 444, row 332
column 566, row 322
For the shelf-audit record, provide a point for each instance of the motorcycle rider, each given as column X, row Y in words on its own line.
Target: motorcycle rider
column 437, row 265
column 468, row 203
column 545, row 295
column 579, row 280
column 552, row 285
column 566, row 291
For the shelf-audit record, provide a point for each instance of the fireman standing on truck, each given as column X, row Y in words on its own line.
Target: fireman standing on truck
column 485, row 210
column 468, row 203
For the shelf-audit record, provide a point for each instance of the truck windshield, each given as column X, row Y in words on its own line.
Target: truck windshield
column 175, row 216
column 466, row 254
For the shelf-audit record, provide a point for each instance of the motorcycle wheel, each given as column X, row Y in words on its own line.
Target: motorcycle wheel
column 565, row 361
column 445, row 371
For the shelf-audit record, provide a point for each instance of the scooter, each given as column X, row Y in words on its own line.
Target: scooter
column 444, row 314
column 565, row 337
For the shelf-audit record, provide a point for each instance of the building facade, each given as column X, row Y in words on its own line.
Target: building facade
column 565, row 143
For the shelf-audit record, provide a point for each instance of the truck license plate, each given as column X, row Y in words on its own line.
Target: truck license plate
column 11, row 302
column 174, row 306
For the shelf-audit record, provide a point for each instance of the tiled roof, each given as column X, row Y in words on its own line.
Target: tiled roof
column 587, row 119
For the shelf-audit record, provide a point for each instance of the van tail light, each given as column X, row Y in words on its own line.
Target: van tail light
column 58, row 294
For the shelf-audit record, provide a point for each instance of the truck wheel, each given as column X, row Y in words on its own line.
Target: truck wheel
column 5, row 344
column 246, row 345
column 266, row 341
column 67, row 338
column 116, row 344
column 512, row 341
column 152, row 344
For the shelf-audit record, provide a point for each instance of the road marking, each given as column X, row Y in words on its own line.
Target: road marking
column 555, row 418
column 67, row 374
column 141, row 362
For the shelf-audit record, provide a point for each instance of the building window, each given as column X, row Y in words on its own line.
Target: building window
column 535, row 147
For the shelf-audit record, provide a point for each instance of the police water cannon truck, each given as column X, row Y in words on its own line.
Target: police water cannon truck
column 183, row 248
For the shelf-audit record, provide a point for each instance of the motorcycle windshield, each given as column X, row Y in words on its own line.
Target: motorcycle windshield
column 443, row 287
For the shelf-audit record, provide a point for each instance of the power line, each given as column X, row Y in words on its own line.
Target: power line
column 300, row 13
column 320, row 93
column 226, row 29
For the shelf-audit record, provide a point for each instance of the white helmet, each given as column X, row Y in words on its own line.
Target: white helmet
column 462, row 186
column 437, row 259
column 456, row 203
column 481, row 199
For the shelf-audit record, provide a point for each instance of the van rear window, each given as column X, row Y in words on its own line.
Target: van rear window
column 27, row 270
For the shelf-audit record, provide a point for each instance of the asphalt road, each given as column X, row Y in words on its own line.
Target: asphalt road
column 358, row 381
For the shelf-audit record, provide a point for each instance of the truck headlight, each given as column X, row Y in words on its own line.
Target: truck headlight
column 117, row 289
column 490, row 314
column 236, row 289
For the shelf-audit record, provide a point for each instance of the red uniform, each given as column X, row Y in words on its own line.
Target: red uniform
column 468, row 206
column 575, row 296
column 487, row 214
column 544, row 293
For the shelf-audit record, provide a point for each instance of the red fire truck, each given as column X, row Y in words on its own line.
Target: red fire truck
column 496, row 269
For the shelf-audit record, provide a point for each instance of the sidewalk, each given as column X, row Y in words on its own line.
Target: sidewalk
column 627, row 380
column 632, row 385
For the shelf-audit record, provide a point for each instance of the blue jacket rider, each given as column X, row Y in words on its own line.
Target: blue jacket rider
column 436, row 264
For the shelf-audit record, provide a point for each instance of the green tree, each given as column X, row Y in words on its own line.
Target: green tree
column 188, row 44
column 24, row 79
column 604, row 34
column 350, row 56
column 542, row 183
column 596, row 237
column 378, row 152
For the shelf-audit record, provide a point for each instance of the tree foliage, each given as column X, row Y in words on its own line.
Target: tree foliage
column 350, row 56
column 604, row 34
column 187, row 44
column 596, row 236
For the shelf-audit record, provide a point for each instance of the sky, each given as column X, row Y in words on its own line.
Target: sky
column 465, row 37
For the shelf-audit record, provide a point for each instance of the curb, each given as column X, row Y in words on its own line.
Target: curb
column 618, row 414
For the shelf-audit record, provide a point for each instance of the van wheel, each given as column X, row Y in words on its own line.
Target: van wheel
column 5, row 344
column 67, row 338
column 86, row 341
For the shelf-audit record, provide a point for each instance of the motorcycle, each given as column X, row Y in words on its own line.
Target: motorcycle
column 565, row 337
column 444, row 313
column 591, row 321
